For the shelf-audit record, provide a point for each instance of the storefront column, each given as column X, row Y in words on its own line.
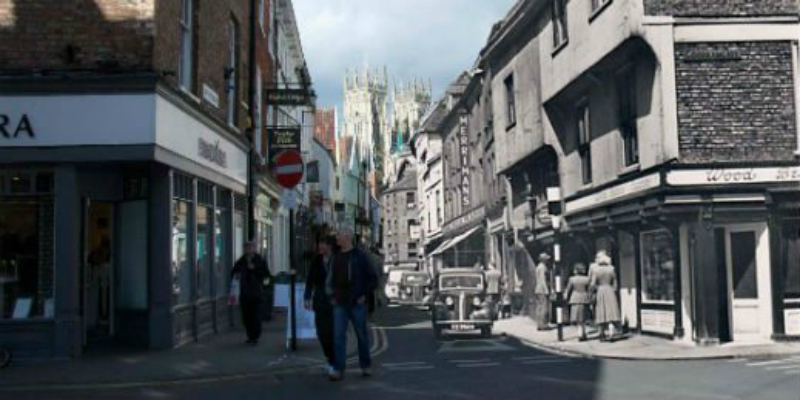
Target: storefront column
column 160, row 257
column 68, row 225
column 707, row 283
column 675, row 234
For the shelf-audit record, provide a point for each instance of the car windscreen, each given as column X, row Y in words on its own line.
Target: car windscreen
column 451, row 282
column 415, row 279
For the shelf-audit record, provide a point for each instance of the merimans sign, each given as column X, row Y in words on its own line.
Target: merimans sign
column 12, row 128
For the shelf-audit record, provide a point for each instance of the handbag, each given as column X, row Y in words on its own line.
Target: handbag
column 233, row 293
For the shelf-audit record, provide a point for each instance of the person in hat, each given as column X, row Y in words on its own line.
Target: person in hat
column 577, row 293
column 253, row 274
column 542, row 292
column 603, row 282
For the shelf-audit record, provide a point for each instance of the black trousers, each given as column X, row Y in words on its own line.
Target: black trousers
column 251, row 317
column 323, row 319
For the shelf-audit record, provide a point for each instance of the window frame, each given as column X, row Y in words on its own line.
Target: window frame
column 559, row 22
column 232, row 75
column 597, row 8
column 676, row 264
column 584, row 139
column 511, row 101
column 187, row 61
column 628, row 118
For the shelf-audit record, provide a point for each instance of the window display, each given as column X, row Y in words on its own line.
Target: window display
column 203, row 249
column 658, row 267
column 181, row 270
column 222, row 263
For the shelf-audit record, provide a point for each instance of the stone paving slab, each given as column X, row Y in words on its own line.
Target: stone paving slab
column 633, row 347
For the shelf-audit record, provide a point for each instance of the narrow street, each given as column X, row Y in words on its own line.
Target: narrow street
column 412, row 364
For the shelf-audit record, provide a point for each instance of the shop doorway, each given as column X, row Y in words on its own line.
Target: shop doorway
column 98, row 272
column 747, row 273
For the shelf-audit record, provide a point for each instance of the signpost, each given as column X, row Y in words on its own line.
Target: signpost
column 288, row 172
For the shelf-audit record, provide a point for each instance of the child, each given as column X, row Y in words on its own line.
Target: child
column 577, row 293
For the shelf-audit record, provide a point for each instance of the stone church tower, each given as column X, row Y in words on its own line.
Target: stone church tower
column 366, row 114
column 410, row 103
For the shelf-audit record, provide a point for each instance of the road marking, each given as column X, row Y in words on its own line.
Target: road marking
column 401, row 364
column 475, row 365
column 797, row 366
column 536, row 358
column 474, row 346
column 772, row 362
column 469, row 361
column 412, row 368
column 534, row 362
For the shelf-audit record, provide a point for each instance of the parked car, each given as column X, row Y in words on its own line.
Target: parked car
column 460, row 303
column 414, row 288
column 392, row 284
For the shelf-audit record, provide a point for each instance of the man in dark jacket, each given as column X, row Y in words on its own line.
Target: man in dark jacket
column 253, row 274
column 317, row 299
column 351, row 279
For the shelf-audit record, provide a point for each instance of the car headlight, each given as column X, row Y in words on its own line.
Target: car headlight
column 476, row 301
column 449, row 301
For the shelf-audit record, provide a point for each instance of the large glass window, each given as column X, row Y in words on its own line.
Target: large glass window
column 26, row 277
column 203, row 249
column 222, row 263
column 626, row 89
column 188, row 23
column 181, row 270
column 585, row 142
column 658, row 267
column 791, row 260
column 559, row 19
column 238, row 234
column 743, row 261
column 511, row 104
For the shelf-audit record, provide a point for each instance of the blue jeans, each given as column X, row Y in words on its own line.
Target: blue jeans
column 342, row 315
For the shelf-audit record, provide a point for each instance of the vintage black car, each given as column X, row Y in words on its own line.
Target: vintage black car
column 460, row 303
column 414, row 288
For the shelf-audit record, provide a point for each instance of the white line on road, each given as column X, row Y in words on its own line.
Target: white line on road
column 534, row 362
column 772, row 362
column 792, row 372
column 469, row 361
column 796, row 366
column 411, row 368
column 475, row 365
column 536, row 358
column 400, row 364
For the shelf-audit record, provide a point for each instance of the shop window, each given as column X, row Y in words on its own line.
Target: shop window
column 559, row 19
column 181, row 268
column 232, row 72
column 658, row 267
column 203, row 249
column 585, row 142
column 238, row 234
column 743, row 262
column 791, row 264
column 26, row 264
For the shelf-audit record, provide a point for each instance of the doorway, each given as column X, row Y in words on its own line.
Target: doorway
column 748, row 282
column 98, row 272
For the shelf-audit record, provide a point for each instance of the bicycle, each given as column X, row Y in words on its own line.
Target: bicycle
column 5, row 357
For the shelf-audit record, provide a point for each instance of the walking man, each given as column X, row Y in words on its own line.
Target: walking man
column 542, row 292
column 317, row 299
column 253, row 274
column 351, row 279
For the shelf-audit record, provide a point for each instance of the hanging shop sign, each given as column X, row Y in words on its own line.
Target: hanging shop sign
column 725, row 176
column 12, row 128
column 463, row 146
column 288, row 97
column 282, row 138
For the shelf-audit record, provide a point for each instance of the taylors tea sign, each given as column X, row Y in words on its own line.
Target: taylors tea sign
column 463, row 145
column 283, row 138
column 12, row 128
column 212, row 152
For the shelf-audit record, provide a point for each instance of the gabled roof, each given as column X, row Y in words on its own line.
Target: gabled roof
column 407, row 182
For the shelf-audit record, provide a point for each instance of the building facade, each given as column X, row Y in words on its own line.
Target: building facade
column 124, row 191
column 670, row 130
column 401, row 221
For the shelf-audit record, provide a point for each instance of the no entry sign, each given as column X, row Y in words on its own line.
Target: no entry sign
column 288, row 168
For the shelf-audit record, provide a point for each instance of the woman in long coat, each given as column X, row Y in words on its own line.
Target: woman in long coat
column 603, row 281
column 577, row 294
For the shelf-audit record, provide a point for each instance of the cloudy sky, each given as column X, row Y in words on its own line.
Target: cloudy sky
column 434, row 39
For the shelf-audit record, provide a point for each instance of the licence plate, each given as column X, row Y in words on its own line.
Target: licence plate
column 463, row 327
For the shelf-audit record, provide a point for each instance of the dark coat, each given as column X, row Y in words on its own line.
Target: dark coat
column 251, row 280
column 363, row 278
column 315, row 284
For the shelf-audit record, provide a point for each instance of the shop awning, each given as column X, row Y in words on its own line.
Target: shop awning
column 441, row 247
column 452, row 242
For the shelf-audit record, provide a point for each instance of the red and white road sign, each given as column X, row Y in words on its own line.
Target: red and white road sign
column 289, row 168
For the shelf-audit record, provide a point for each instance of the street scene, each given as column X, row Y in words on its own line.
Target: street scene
column 396, row 199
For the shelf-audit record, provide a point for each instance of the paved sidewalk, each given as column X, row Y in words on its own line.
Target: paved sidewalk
column 216, row 357
column 634, row 347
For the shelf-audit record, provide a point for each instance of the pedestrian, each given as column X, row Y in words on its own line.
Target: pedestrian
column 493, row 276
column 604, row 283
column 317, row 299
column 577, row 293
column 253, row 274
column 542, row 292
column 351, row 280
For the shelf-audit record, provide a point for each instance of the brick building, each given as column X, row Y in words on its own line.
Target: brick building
column 325, row 128
column 671, row 130
column 124, row 180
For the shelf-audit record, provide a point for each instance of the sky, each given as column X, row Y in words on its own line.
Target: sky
column 429, row 39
